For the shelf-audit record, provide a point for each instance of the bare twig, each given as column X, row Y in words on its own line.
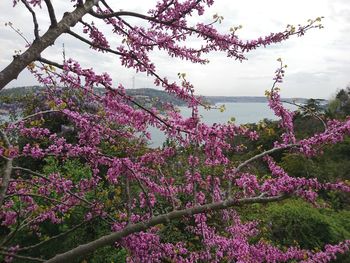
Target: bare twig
column 18, row 32
column 35, row 115
column 52, row 238
column 308, row 111
column 21, row 257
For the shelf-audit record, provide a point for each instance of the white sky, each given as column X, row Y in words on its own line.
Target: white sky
column 318, row 63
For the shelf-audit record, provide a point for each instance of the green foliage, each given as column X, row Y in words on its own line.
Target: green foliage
column 296, row 222
column 339, row 107
column 325, row 168
column 73, row 168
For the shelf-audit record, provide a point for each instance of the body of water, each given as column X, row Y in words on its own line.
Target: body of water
column 242, row 112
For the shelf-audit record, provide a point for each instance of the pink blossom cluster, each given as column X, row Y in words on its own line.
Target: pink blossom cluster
column 98, row 39
column 335, row 132
column 276, row 105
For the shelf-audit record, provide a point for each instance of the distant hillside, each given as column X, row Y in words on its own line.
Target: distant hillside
column 153, row 96
column 251, row 99
column 19, row 91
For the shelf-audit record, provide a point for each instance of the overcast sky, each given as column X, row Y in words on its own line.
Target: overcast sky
column 318, row 63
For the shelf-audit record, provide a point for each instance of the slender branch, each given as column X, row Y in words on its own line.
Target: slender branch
column 26, row 222
column 19, row 33
column 252, row 159
column 142, row 188
column 21, row 257
column 52, row 63
column 34, row 115
column 43, row 176
column 35, row 21
column 308, row 111
column 52, row 200
column 258, row 156
column 133, row 14
column 131, row 100
column 94, row 45
column 165, row 8
column 161, row 219
column 52, row 238
column 126, row 13
column 51, row 11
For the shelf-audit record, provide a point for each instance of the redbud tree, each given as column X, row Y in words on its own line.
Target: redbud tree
column 110, row 133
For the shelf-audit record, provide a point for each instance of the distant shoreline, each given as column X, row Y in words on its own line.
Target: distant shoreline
column 154, row 96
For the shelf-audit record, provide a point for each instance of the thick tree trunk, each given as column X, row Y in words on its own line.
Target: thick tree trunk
column 19, row 62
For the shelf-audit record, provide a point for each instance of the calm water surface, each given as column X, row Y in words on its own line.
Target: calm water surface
column 242, row 112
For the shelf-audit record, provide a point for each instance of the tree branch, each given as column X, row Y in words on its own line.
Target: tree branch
column 308, row 111
column 258, row 156
column 77, row 36
column 51, row 11
column 252, row 159
column 20, row 62
column 35, row 115
column 49, row 62
column 161, row 219
column 21, row 257
column 35, row 21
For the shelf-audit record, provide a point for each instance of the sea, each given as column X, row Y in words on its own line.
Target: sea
column 247, row 112
column 242, row 112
